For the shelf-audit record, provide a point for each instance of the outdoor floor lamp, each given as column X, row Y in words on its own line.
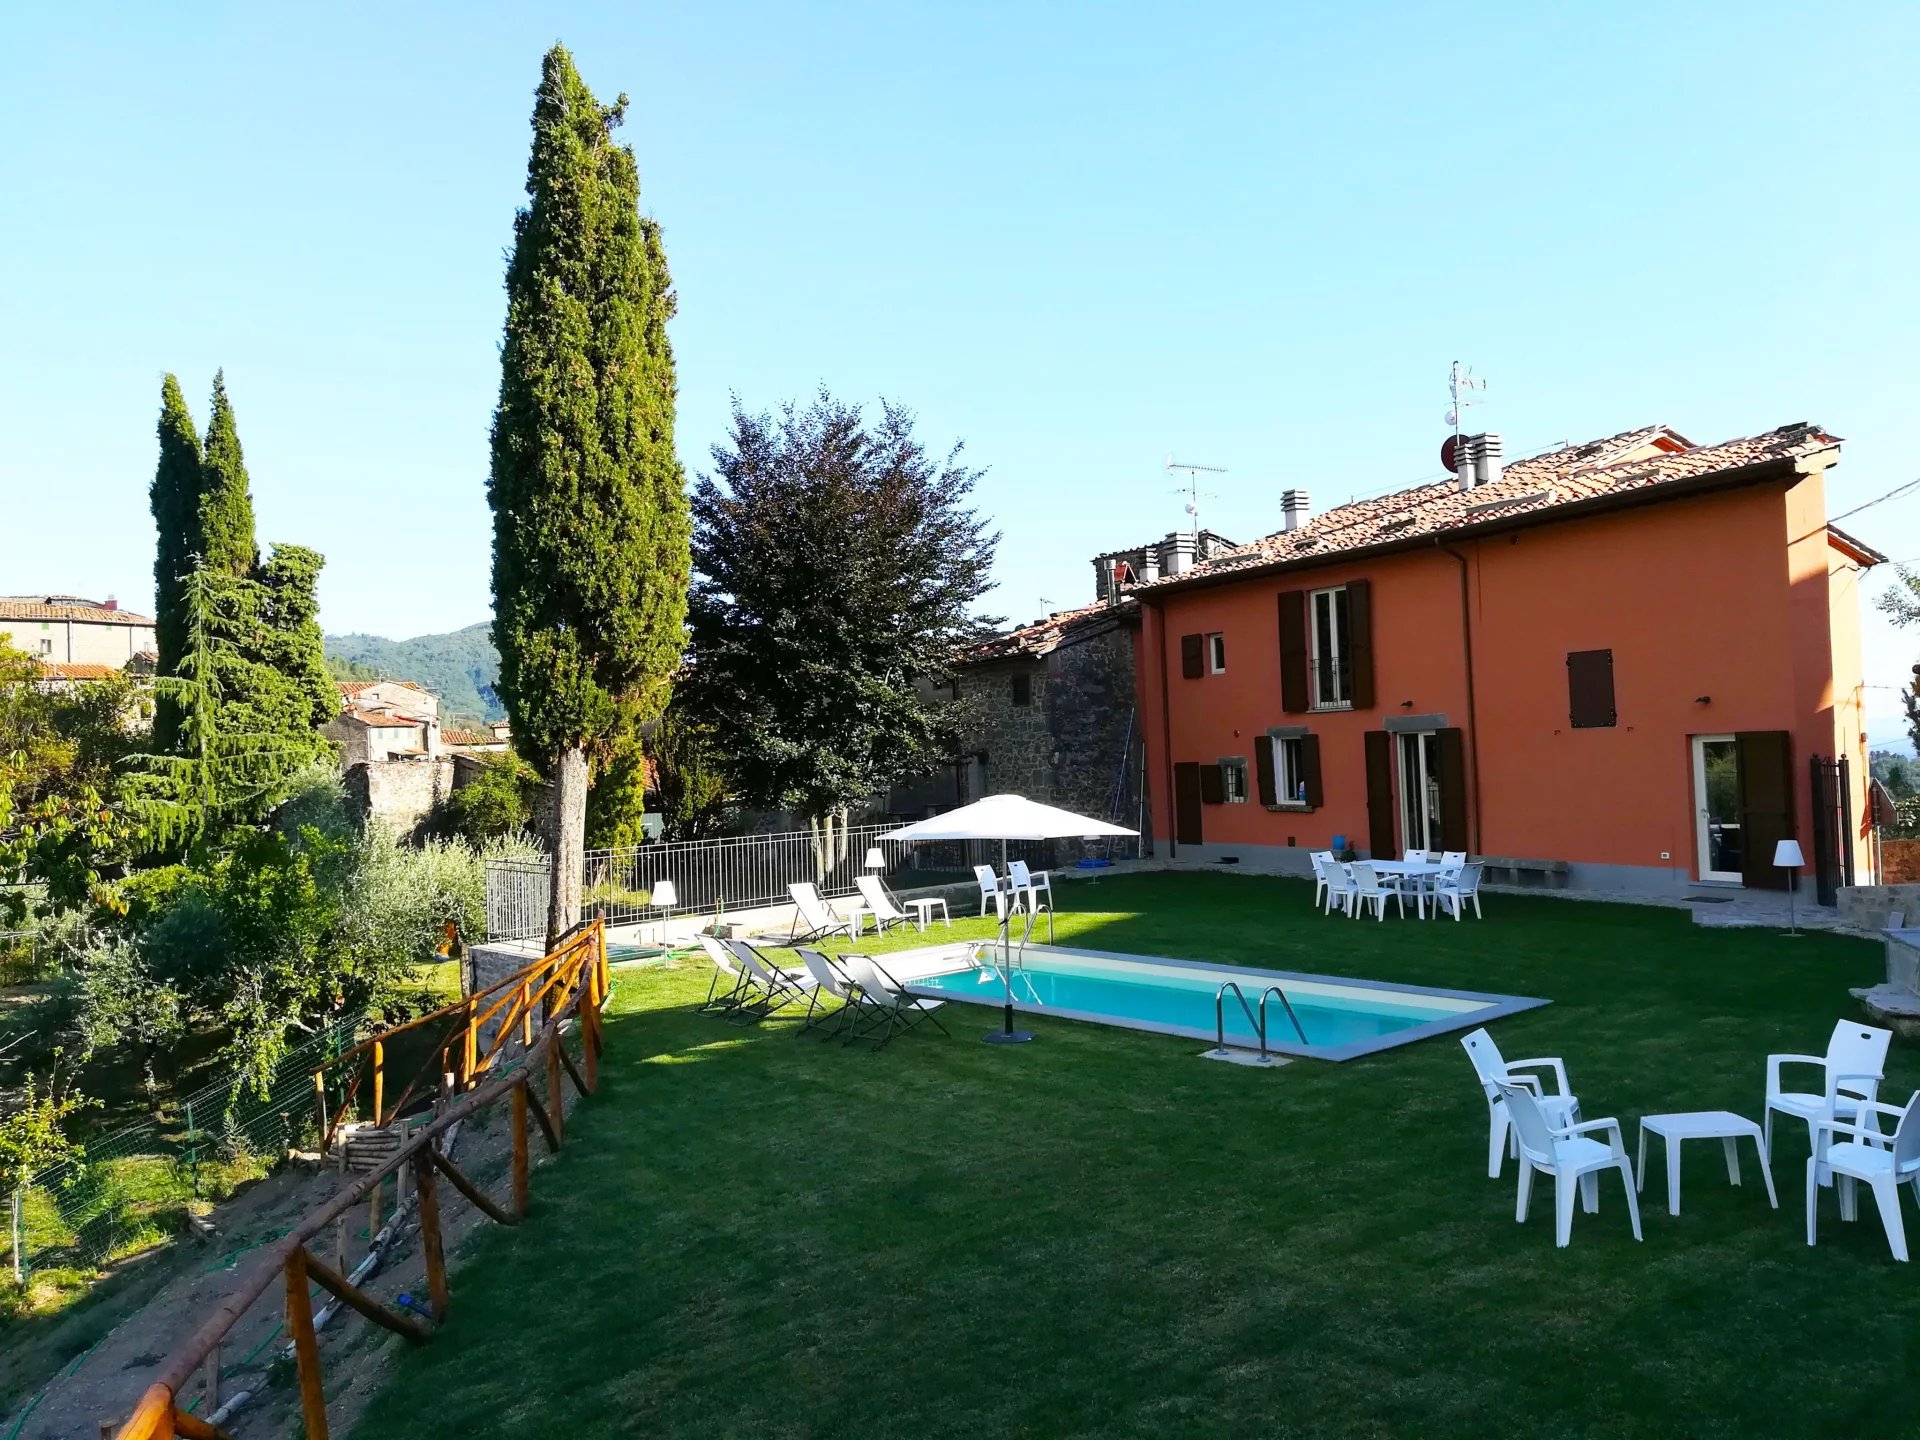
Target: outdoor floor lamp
column 1788, row 857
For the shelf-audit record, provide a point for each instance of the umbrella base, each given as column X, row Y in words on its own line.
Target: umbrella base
column 1007, row 1037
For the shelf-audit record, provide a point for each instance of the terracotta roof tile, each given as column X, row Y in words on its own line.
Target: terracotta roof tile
column 351, row 688
column 66, row 607
column 74, row 670
column 1642, row 459
column 470, row 737
column 1043, row 637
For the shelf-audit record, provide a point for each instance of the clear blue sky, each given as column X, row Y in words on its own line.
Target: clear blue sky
column 1078, row 237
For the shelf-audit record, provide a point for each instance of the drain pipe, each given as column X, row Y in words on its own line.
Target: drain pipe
column 1473, row 713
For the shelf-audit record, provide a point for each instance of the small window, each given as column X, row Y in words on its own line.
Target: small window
column 1216, row 653
column 46, row 647
column 1330, row 636
column 1290, row 770
column 1233, row 781
column 1023, row 689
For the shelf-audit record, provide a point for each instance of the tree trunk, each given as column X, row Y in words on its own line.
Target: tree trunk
column 567, row 844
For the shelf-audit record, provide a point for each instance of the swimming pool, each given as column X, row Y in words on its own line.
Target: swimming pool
column 1342, row 1018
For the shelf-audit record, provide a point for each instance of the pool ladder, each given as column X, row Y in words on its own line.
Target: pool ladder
column 1258, row 1022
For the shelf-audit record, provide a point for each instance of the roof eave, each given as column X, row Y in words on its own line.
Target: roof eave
column 1788, row 468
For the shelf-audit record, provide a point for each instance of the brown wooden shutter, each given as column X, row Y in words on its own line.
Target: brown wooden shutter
column 1360, row 642
column 1186, row 803
column 1263, row 766
column 1213, row 785
column 1453, row 789
column 1310, row 768
column 1192, row 667
column 1590, row 689
column 1380, row 829
column 1293, row 651
column 1764, row 759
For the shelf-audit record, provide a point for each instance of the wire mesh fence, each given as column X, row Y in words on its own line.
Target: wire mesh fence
column 743, row 871
column 128, row 1189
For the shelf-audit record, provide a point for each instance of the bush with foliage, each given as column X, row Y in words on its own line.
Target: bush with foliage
column 495, row 803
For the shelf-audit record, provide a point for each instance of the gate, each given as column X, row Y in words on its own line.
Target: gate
column 1832, row 827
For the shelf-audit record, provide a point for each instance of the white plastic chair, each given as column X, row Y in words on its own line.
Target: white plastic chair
column 1560, row 1107
column 1027, row 885
column 1565, row 1152
column 1884, row 1162
column 1321, row 860
column 1452, row 857
column 1852, row 1068
column 1370, row 889
column 992, row 897
column 1340, row 887
column 1455, row 888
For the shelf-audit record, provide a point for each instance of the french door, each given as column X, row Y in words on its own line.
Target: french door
column 1718, row 834
column 1422, row 815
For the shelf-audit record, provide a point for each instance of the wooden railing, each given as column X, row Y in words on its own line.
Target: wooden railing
column 510, row 1005
column 572, row 985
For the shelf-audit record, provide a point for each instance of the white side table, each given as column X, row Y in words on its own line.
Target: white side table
column 922, row 911
column 1722, row 1125
column 856, row 917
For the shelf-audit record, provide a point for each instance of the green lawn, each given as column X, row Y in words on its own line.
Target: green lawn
column 1099, row 1234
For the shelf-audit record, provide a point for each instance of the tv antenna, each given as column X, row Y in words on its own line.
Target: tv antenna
column 1192, row 489
column 1460, row 386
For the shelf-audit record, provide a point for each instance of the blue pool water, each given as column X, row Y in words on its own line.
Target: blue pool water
column 1176, row 997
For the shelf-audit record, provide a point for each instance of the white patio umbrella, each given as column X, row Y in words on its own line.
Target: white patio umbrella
column 1004, row 818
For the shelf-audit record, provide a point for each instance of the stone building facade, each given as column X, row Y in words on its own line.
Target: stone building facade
column 69, row 630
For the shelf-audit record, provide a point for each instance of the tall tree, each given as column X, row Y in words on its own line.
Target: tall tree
column 175, row 498
column 589, row 502
column 837, row 565
column 227, row 545
column 292, row 642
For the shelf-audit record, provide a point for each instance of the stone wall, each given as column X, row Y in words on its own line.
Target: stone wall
column 400, row 792
column 1899, row 862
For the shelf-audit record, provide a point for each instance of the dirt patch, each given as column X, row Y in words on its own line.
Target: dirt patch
column 109, row 1378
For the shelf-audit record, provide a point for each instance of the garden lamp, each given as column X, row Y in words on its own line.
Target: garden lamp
column 666, row 897
column 1788, row 857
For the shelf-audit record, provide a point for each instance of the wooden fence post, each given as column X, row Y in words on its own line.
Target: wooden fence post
column 306, row 1350
column 520, row 1147
column 379, row 1083
column 20, row 1231
column 556, row 1097
column 470, row 1060
column 430, row 1247
column 526, row 1015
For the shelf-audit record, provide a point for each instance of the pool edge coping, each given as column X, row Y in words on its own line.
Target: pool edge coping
column 1493, row 1007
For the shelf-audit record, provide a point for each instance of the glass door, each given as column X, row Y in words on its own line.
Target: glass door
column 1419, row 791
column 1716, row 799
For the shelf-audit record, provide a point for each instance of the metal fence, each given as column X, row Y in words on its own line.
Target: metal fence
column 127, row 1189
column 744, row 871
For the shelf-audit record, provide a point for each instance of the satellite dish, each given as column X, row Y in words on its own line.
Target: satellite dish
column 1452, row 417
column 1446, row 453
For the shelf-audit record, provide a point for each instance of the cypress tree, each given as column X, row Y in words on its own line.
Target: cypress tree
column 175, row 498
column 589, row 503
column 227, row 545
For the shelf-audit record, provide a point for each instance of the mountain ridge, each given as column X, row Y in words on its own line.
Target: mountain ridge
column 460, row 666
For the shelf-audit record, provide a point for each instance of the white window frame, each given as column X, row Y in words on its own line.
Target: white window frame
column 1330, row 644
column 1288, row 771
column 1233, row 791
column 1216, row 643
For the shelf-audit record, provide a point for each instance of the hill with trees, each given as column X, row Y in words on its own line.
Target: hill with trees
column 461, row 667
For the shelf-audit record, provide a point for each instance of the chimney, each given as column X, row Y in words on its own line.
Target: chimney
column 1463, row 459
column 1295, row 509
column 1178, row 549
column 111, row 604
column 1149, row 565
column 1102, row 578
column 1486, row 459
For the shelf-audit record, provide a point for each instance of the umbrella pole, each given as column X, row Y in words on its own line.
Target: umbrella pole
column 1006, row 1035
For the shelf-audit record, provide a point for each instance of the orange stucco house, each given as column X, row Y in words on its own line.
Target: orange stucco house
column 1631, row 665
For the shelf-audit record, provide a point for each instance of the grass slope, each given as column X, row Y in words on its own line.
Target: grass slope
column 462, row 667
column 1100, row 1235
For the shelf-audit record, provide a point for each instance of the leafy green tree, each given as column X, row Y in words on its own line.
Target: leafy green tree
column 1901, row 604
column 696, row 798
column 175, row 498
column 291, row 641
column 246, row 727
column 33, row 1136
column 837, row 567
column 497, row 801
column 589, row 502
column 617, row 801
column 226, row 544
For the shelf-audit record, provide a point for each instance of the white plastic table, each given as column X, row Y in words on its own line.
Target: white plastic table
column 922, row 911
column 1415, row 870
column 856, row 917
column 1722, row 1125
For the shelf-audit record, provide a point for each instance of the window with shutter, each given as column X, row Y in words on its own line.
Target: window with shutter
column 1293, row 651
column 1192, row 666
column 1213, row 786
column 1590, row 689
